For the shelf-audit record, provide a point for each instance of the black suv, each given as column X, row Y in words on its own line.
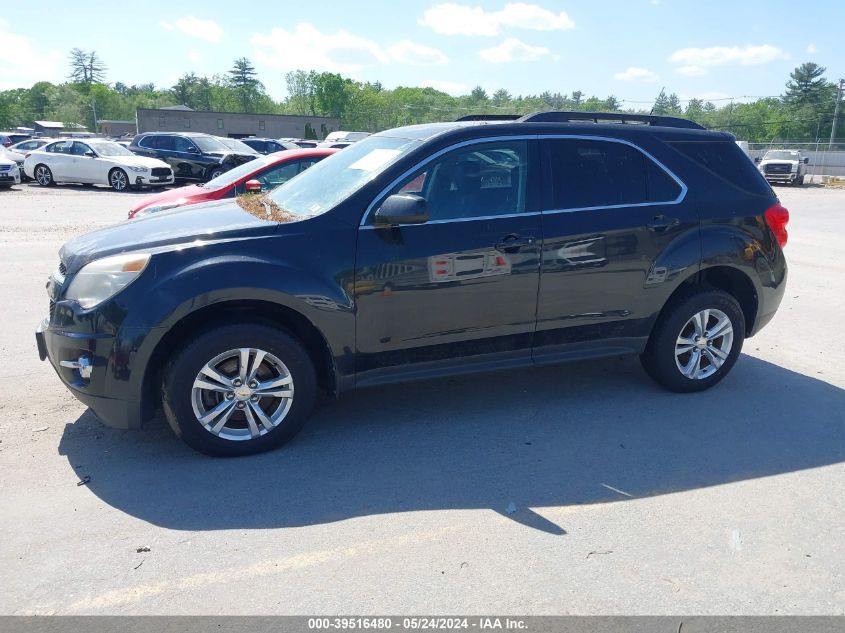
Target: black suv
column 421, row 252
column 268, row 145
column 192, row 156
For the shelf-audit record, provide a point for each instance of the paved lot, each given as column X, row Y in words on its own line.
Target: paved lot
column 628, row 499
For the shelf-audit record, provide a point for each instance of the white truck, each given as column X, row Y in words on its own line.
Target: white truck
column 786, row 166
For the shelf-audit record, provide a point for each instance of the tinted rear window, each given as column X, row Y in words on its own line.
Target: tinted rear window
column 595, row 173
column 727, row 161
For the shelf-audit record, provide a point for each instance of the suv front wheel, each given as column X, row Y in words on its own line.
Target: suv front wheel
column 239, row 390
column 696, row 341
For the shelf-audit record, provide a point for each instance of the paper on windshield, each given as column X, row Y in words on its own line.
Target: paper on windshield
column 375, row 159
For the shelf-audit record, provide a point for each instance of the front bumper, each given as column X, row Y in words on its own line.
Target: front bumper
column 782, row 178
column 102, row 385
column 12, row 177
column 146, row 180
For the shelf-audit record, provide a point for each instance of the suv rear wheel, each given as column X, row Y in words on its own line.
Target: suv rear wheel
column 696, row 341
column 239, row 390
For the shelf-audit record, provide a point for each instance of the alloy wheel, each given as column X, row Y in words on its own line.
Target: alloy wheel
column 118, row 180
column 242, row 394
column 704, row 344
column 43, row 175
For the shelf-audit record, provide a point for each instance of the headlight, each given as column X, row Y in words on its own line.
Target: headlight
column 104, row 278
column 139, row 169
column 794, row 168
column 160, row 207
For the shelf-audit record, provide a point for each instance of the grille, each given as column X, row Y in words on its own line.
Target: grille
column 5, row 167
column 778, row 168
column 160, row 172
column 52, row 310
column 62, row 269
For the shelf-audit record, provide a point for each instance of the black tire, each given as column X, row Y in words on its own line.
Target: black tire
column 43, row 175
column 185, row 366
column 799, row 180
column 118, row 179
column 659, row 359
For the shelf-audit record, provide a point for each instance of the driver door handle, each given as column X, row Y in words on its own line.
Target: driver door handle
column 513, row 242
column 660, row 223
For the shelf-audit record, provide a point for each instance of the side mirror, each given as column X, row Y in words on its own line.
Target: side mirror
column 193, row 150
column 253, row 186
column 402, row 208
column 90, row 154
column 806, row 160
column 757, row 160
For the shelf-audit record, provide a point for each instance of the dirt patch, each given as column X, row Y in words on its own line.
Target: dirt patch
column 264, row 208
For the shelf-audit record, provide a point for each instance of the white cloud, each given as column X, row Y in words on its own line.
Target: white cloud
column 23, row 64
column 194, row 57
column 308, row 47
column 637, row 74
column 812, row 49
column 450, row 87
column 691, row 71
column 207, row 30
column 407, row 52
column 461, row 19
column 513, row 50
column 701, row 58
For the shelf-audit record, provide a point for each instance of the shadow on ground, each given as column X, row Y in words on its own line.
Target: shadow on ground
column 554, row 436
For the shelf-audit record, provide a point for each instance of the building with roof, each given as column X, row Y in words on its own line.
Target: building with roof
column 233, row 124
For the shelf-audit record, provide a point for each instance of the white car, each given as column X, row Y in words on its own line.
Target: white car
column 95, row 162
column 9, row 173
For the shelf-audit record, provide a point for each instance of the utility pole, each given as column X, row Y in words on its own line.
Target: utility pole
column 836, row 111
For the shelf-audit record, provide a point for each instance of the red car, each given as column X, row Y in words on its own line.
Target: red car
column 261, row 174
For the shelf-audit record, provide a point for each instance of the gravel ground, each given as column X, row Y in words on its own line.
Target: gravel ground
column 577, row 489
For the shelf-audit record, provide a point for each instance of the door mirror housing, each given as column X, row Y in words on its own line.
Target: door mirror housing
column 90, row 154
column 402, row 208
column 253, row 186
column 806, row 160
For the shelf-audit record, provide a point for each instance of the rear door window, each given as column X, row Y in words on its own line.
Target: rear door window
column 590, row 173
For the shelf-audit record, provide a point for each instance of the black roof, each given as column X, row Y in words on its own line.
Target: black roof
column 605, row 123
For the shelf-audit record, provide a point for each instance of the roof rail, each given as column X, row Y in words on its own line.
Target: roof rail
column 489, row 117
column 601, row 117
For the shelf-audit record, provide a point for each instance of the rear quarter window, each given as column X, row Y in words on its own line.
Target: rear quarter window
column 727, row 161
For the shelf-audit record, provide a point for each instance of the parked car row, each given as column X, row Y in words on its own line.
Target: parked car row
column 156, row 159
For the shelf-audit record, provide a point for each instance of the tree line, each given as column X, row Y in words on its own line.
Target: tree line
column 804, row 111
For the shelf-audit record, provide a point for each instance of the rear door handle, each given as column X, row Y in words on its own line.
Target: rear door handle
column 513, row 242
column 661, row 223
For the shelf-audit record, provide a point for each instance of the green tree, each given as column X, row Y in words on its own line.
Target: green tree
column 86, row 67
column 243, row 79
column 807, row 86
column 330, row 93
column 501, row 97
column 479, row 94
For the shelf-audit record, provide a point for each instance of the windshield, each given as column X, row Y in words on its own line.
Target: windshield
column 334, row 179
column 781, row 155
column 110, row 149
column 238, row 146
column 233, row 175
column 209, row 144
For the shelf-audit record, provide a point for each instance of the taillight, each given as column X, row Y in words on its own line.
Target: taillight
column 777, row 217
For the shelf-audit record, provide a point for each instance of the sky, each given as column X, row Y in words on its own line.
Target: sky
column 710, row 49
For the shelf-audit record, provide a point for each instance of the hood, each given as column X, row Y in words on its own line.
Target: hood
column 171, row 195
column 233, row 157
column 183, row 226
column 138, row 161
